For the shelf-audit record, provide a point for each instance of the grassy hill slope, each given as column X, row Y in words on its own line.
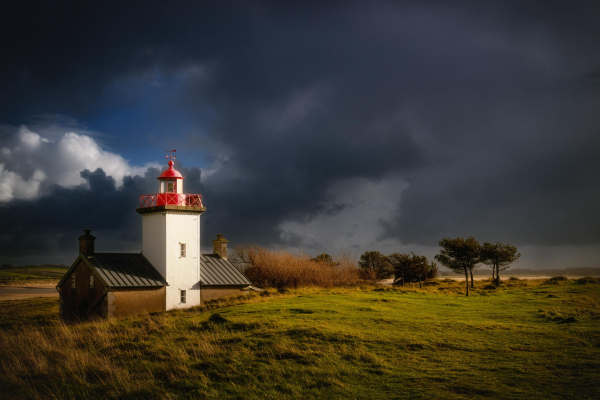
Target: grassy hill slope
column 527, row 340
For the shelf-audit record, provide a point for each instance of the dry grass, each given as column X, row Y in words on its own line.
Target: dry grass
column 24, row 282
column 337, row 342
column 283, row 269
column 525, row 339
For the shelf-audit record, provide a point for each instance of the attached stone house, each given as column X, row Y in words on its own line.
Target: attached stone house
column 169, row 273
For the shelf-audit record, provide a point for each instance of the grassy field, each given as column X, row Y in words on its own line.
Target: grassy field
column 9, row 277
column 529, row 339
column 56, row 269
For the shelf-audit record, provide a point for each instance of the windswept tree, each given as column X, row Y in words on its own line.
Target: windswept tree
column 499, row 257
column 411, row 267
column 460, row 255
column 376, row 265
column 401, row 263
column 420, row 267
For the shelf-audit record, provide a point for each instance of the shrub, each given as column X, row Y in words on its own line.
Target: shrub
column 556, row 279
column 376, row 265
column 283, row 269
column 587, row 279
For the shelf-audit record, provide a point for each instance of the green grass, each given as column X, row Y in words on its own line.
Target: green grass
column 14, row 276
column 49, row 268
column 525, row 340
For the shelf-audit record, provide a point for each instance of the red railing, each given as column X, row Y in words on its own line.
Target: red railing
column 171, row 199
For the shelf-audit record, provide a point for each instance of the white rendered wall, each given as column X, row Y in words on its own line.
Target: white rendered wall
column 162, row 234
column 154, row 239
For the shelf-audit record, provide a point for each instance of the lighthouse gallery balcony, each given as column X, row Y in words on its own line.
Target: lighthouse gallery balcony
column 171, row 199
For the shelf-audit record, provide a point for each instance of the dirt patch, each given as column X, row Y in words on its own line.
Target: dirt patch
column 20, row 292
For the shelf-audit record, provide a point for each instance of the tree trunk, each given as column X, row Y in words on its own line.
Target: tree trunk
column 471, row 271
column 402, row 277
column 467, row 280
column 497, row 278
column 419, row 281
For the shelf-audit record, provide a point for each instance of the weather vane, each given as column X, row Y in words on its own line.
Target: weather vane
column 170, row 155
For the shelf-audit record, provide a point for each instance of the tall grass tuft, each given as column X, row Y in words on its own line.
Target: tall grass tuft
column 283, row 269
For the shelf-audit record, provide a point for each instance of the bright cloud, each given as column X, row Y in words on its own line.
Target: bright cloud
column 28, row 138
column 13, row 186
column 31, row 163
column 79, row 152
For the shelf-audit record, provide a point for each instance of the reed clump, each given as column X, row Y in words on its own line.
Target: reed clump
column 286, row 270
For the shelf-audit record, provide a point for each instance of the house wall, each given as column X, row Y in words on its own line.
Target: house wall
column 162, row 233
column 134, row 301
column 82, row 302
column 220, row 292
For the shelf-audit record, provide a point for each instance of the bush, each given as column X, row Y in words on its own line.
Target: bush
column 558, row 278
column 283, row 269
column 587, row 279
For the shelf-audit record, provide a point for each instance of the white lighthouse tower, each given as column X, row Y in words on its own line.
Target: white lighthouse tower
column 171, row 237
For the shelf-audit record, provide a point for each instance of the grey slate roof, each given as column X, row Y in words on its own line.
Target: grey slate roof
column 126, row 270
column 216, row 271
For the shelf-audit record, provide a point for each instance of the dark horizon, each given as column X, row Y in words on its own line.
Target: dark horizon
column 320, row 127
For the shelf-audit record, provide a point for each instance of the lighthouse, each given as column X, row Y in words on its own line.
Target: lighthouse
column 169, row 273
column 171, row 237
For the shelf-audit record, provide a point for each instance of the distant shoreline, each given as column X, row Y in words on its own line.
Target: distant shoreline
column 484, row 277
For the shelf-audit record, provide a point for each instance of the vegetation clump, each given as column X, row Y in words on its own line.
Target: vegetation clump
column 411, row 268
column 587, row 279
column 557, row 279
column 375, row 266
column 283, row 269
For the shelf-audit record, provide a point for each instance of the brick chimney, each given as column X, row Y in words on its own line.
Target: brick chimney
column 220, row 247
column 86, row 243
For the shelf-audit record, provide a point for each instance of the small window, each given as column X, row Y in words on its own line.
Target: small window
column 182, row 249
column 170, row 187
column 182, row 300
column 92, row 281
column 73, row 282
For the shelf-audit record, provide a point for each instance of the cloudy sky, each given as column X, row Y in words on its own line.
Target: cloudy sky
column 320, row 126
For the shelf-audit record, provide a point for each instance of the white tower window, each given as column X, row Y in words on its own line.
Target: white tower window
column 182, row 294
column 91, row 281
column 181, row 249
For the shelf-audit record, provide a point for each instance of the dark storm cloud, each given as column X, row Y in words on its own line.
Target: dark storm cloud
column 48, row 227
column 484, row 108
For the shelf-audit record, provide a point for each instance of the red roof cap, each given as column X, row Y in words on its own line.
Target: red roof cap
column 171, row 173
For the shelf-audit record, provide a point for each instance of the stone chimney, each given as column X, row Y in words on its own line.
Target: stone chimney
column 86, row 243
column 220, row 247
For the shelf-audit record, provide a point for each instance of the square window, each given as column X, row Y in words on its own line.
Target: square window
column 73, row 282
column 181, row 249
column 170, row 187
column 92, row 281
column 182, row 299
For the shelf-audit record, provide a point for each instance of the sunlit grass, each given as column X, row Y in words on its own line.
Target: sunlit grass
column 527, row 339
column 15, row 278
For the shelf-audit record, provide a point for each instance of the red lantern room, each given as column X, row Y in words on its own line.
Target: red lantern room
column 170, row 190
column 171, row 180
